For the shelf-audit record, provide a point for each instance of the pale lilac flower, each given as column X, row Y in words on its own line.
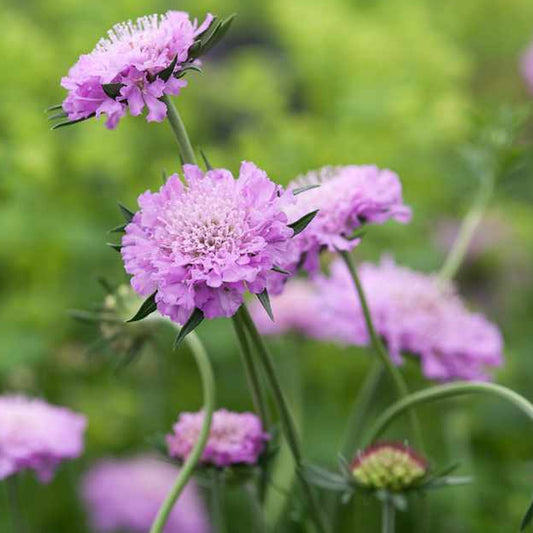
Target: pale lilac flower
column 202, row 244
column 35, row 435
column 125, row 495
column 234, row 438
column 526, row 65
column 347, row 197
column 296, row 309
column 132, row 56
column 414, row 314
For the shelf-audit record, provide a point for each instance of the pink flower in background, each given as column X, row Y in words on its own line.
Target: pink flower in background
column 132, row 56
column 347, row 197
column 413, row 314
column 527, row 67
column 35, row 435
column 125, row 495
column 234, row 438
column 202, row 244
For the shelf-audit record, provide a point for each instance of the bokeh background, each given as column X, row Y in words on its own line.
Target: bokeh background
column 295, row 85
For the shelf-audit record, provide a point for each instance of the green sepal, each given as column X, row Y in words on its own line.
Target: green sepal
column 300, row 190
column 280, row 270
column 167, row 72
column 303, row 222
column 194, row 321
column 71, row 122
column 147, row 308
column 265, row 302
column 112, row 89
column 116, row 247
column 527, row 517
column 206, row 161
column 128, row 214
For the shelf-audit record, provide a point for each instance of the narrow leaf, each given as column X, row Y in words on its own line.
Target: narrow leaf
column 71, row 122
column 300, row 190
column 84, row 316
column 147, row 308
column 126, row 213
column 108, row 288
column 280, row 270
column 194, row 321
column 166, row 73
column 112, row 89
column 265, row 302
column 208, row 30
column 527, row 517
column 55, row 116
column 118, row 229
column 53, row 108
column 303, row 222
column 206, row 161
column 185, row 68
column 116, row 247
column 218, row 34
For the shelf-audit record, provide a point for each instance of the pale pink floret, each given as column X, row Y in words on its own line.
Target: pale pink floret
column 35, row 435
column 414, row 314
column 202, row 244
column 125, row 495
column 347, row 198
column 526, row 65
column 234, row 438
column 132, row 54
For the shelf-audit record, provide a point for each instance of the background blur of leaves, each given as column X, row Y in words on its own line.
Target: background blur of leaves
column 296, row 84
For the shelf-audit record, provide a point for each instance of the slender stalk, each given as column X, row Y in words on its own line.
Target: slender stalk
column 387, row 515
column 395, row 375
column 14, row 505
column 187, row 470
column 257, row 509
column 217, row 502
column 287, row 422
column 178, row 127
column 252, row 375
column 441, row 392
column 467, row 230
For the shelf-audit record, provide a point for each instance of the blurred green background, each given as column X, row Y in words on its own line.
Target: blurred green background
column 295, row 85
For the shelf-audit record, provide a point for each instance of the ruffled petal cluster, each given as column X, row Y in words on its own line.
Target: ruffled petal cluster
column 132, row 56
column 203, row 243
column 234, row 438
column 346, row 197
column 414, row 314
column 125, row 495
column 35, row 435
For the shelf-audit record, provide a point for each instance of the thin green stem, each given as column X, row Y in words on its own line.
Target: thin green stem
column 217, row 502
column 252, row 374
column 467, row 230
column 257, row 509
column 287, row 422
column 187, row 470
column 14, row 505
column 178, row 127
column 395, row 375
column 441, row 392
column 387, row 515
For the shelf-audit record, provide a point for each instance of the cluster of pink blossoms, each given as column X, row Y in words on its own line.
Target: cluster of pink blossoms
column 346, row 198
column 35, row 435
column 125, row 495
column 202, row 244
column 131, row 59
column 234, row 438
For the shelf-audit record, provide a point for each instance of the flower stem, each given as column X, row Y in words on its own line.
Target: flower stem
column 217, row 502
column 395, row 375
column 387, row 515
column 287, row 422
column 14, row 505
column 446, row 391
column 467, row 230
column 186, row 472
column 178, row 127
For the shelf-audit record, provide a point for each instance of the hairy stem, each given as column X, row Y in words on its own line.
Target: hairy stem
column 178, row 127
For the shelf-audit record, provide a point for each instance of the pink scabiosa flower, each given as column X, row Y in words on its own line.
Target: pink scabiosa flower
column 198, row 246
column 125, row 495
column 526, row 65
column 414, row 314
column 346, row 198
column 234, row 438
column 132, row 68
column 35, row 435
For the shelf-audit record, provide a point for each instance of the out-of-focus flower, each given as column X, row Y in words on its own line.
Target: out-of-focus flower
column 234, row 438
column 346, row 197
column 202, row 244
column 133, row 67
column 35, row 435
column 125, row 495
column 389, row 466
column 414, row 314
column 527, row 67
column 296, row 309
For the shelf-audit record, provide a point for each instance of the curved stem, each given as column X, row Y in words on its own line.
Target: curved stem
column 446, row 391
column 467, row 230
column 387, row 515
column 187, row 470
column 395, row 375
column 178, row 127
column 287, row 422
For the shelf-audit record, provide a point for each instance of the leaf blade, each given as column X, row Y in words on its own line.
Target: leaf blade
column 196, row 318
column 147, row 308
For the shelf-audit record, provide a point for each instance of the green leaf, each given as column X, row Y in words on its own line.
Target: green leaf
column 167, row 72
column 265, row 302
column 112, row 89
column 147, row 308
column 527, row 517
column 300, row 190
column 280, row 270
column 53, row 108
column 303, row 222
column 194, row 321
column 71, row 122
column 185, row 68
column 118, row 229
column 206, row 161
column 128, row 214
column 325, row 479
column 218, row 34
column 116, row 247
column 55, row 116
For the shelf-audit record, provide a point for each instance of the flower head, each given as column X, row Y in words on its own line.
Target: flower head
column 124, row 71
column 346, row 197
column 125, row 494
column 414, row 313
column 202, row 244
column 234, row 438
column 35, row 435
column 393, row 467
column 527, row 67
